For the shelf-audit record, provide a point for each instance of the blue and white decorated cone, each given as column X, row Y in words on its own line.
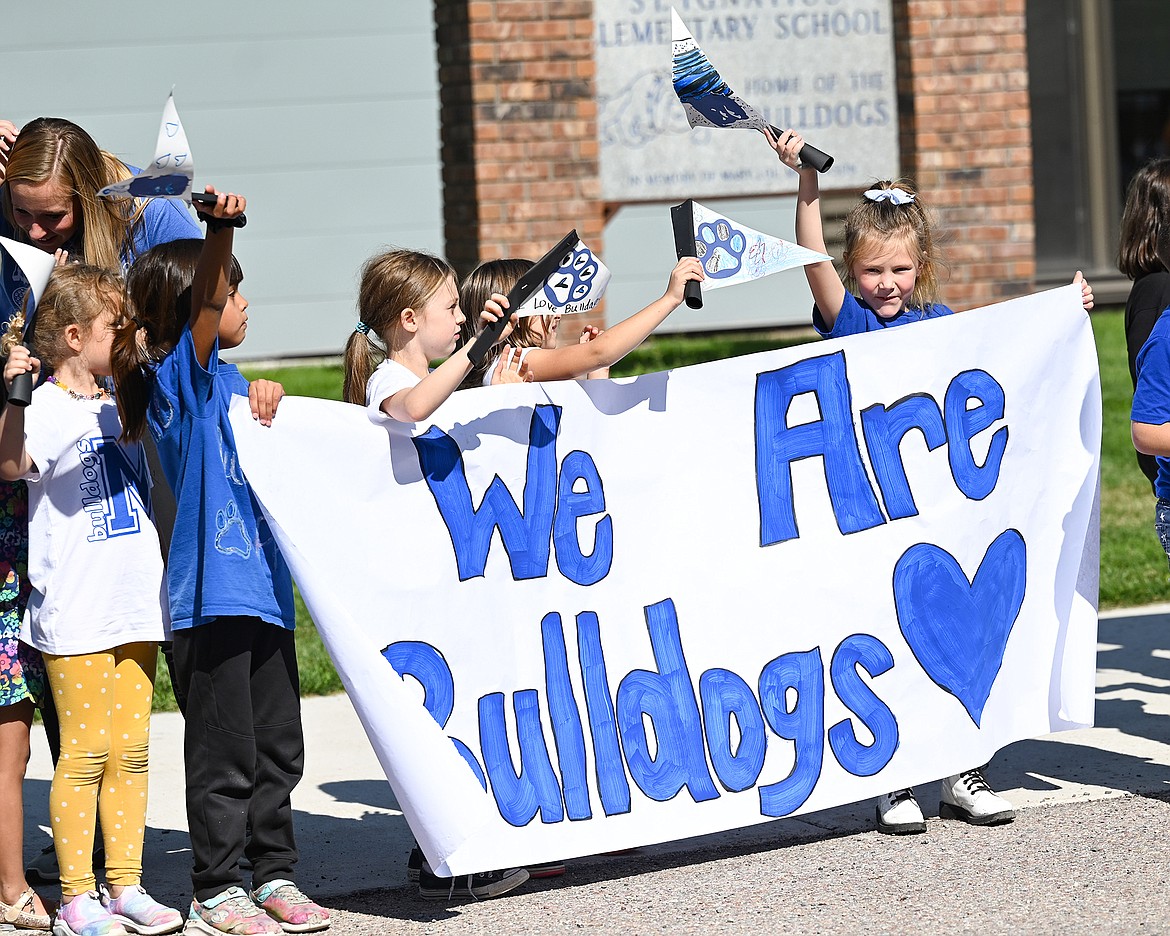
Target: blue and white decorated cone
column 708, row 100
column 37, row 267
column 171, row 173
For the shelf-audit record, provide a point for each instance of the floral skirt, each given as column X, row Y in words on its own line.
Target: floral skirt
column 22, row 672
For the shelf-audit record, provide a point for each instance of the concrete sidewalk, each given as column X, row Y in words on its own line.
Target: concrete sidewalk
column 353, row 839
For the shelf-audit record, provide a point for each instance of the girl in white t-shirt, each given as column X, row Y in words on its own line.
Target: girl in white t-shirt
column 409, row 303
column 95, row 611
column 530, row 349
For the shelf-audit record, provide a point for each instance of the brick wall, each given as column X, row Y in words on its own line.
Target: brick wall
column 966, row 139
column 519, row 127
column 520, row 152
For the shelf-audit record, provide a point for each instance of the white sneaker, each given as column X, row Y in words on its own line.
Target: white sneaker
column 898, row 813
column 967, row 796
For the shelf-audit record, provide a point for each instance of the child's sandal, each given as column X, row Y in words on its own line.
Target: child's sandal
column 23, row 915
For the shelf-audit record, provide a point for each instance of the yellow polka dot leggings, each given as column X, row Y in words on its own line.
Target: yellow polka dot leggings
column 103, row 702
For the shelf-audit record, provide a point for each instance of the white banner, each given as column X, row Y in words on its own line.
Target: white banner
column 695, row 600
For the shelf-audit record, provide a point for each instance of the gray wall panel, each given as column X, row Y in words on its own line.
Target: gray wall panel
column 326, row 117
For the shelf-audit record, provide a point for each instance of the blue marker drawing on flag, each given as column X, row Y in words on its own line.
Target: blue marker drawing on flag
column 577, row 285
column 735, row 253
column 705, row 96
column 171, row 173
column 708, row 101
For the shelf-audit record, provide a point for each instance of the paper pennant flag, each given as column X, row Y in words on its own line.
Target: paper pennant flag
column 734, row 253
column 577, row 285
column 171, row 173
column 705, row 96
column 36, row 265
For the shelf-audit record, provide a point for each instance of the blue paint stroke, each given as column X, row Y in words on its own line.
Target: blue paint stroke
column 720, row 247
column 958, row 630
column 148, row 187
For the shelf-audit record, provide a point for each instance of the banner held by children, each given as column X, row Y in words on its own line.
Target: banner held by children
column 701, row 599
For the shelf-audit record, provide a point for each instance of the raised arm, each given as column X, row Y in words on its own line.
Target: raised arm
column 15, row 462
column 827, row 289
column 1150, row 439
column 417, row 403
column 210, row 286
column 577, row 360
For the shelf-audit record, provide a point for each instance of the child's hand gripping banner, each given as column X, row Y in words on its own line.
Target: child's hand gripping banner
column 701, row 599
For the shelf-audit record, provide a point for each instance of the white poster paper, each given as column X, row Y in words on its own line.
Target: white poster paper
column 696, row 600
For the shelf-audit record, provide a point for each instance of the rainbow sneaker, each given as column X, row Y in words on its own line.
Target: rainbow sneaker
column 295, row 912
column 84, row 915
column 140, row 913
column 231, row 911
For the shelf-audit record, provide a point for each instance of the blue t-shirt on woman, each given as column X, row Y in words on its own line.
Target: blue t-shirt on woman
column 163, row 221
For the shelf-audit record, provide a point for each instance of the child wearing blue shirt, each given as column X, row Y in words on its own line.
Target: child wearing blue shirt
column 230, row 591
column 890, row 261
column 1150, row 413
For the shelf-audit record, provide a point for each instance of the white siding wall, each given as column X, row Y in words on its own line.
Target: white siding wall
column 325, row 116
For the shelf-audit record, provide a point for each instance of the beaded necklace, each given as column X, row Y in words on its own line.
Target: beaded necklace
column 101, row 394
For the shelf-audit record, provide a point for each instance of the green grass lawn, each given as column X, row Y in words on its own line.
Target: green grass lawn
column 1133, row 566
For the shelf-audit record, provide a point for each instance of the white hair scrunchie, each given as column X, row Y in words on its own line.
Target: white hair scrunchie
column 896, row 195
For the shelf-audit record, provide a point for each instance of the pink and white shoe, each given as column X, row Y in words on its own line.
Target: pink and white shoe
column 138, row 912
column 295, row 912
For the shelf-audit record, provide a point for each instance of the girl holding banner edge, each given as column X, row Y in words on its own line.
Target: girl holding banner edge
column 409, row 301
column 891, row 261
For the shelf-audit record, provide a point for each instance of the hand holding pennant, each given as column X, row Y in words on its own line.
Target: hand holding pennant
column 576, row 285
column 730, row 252
column 171, row 173
column 709, row 102
column 520, row 294
column 37, row 267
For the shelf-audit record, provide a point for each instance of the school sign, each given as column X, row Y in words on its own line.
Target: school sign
column 576, row 617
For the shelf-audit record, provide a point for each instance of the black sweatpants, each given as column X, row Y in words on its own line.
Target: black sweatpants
column 243, row 749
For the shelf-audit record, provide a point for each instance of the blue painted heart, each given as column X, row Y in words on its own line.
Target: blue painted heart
column 958, row 629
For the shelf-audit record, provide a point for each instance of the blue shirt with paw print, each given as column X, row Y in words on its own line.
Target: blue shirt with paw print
column 223, row 560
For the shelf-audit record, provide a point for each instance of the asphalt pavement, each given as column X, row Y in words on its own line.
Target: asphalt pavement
column 1089, row 851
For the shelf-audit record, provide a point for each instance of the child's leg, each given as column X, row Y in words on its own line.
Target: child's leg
column 280, row 753
column 83, row 690
column 213, row 662
column 15, row 720
column 123, row 799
